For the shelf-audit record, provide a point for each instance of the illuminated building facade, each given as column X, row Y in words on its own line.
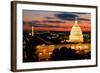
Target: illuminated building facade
column 76, row 33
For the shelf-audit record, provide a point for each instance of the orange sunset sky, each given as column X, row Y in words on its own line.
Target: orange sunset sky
column 55, row 21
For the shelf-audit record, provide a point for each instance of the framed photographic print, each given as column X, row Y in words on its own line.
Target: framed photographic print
column 52, row 36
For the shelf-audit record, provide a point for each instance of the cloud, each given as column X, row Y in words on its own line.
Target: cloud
column 66, row 16
column 72, row 15
column 84, row 19
column 68, row 29
column 50, row 17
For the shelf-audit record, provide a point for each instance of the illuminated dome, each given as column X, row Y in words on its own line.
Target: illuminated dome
column 76, row 33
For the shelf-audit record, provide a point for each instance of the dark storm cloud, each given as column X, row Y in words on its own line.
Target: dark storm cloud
column 66, row 16
column 72, row 15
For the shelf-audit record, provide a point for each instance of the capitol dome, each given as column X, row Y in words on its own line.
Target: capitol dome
column 76, row 33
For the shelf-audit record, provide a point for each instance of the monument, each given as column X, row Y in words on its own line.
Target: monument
column 76, row 33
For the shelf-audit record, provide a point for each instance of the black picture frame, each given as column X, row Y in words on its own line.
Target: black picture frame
column 14, row 34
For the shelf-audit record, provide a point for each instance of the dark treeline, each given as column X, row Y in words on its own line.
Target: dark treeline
column 68, row 54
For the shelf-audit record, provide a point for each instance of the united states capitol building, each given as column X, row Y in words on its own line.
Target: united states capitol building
column 76, row 33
